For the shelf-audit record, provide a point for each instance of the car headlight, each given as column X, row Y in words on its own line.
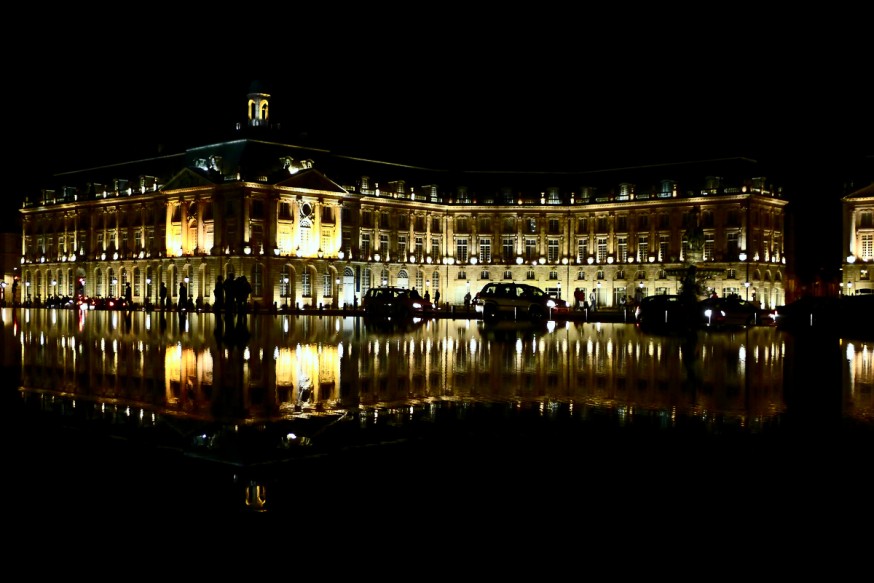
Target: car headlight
column 417, row 306
column 550, row 303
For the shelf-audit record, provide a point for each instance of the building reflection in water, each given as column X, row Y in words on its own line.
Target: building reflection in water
column 293, row 378
column 255, row 369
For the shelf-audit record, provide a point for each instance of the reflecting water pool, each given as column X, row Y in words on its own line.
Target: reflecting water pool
column 252, row 403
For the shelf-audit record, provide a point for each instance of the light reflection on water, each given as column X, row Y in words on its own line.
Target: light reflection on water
column 258, row 369
column 299, row 380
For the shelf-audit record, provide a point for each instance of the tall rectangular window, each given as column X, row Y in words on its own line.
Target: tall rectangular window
column 602, row 249
column 402, row 247
column 867, row 247
column 642, row 247
column 257, row 280
column 435, row 248
column 485, row 250
column 365, row 280
column 554, row 226
column 508, row 248
column 461, row 250
column 582, row 250
column 732, row 248
column 383, row 245
column 365, row 246
column 663, row 247
column 622, row 249
column 306, row 285
column 530, row 249
column 552, row 250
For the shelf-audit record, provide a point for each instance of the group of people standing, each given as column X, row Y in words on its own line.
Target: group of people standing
column 232, row 295
column 415, row 294
column 185, row 301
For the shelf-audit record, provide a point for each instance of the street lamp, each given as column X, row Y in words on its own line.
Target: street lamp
column 743, row 257
column 148, row 288
column 285, row 289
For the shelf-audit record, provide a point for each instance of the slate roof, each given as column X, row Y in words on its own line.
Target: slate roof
column 262, row 154
column 864, row 192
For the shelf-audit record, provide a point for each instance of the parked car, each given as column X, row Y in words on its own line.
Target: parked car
column 665, row 311
column 516, row 301
column 389, row 301
column 729, row 312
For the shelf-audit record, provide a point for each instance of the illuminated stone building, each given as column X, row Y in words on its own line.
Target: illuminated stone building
column 311, row 228
column 858, row 241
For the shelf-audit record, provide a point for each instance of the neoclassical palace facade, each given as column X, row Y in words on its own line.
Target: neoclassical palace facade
column 312, row 228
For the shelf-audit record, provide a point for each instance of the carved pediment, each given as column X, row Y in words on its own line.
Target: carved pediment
column 311, row 180
column 187, row 178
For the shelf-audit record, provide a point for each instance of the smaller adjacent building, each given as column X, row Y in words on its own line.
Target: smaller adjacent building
column 858, row 242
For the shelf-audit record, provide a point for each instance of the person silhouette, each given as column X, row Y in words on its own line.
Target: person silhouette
column 219, row 292
column 242, row 289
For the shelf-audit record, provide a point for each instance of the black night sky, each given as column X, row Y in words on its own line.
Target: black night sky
column 487, row 103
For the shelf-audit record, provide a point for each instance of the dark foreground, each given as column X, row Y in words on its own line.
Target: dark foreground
column 501, row 461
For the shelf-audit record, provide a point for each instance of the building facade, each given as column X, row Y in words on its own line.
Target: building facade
column 858, row 241
column 310, row 228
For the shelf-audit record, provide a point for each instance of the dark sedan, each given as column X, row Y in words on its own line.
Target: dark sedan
column 730, row 312
column 665, row 311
